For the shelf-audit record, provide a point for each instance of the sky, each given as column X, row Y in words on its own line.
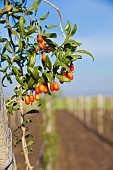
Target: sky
column 95, row 31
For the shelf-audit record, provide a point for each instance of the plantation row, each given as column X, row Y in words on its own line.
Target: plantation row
column 96, row 112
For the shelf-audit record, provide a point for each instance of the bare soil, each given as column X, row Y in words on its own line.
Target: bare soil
column 80, row 149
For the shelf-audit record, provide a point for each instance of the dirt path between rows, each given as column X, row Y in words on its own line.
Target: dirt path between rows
column 80, row 149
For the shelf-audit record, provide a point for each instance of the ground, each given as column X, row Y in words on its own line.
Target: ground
column 79, row 148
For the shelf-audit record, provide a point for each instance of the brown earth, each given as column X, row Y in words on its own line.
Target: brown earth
column 79, row 148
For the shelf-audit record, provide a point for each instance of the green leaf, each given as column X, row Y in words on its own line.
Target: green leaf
column 34, row 72
column 31, row 30
column 15, row 70
column 7, row 8
column 51, row 26
column 30, row 136
column 3, row 78
column 61, row 56
column 26, row 121
column 19, row 80
column 21, row 26
column 32, row 60
column 31, row 142
column 72, row 58
column 73, row 43
column 35, row 6
column 31, row 81
column 7, row 58
column 49, row 77
column 32, row 112
column 20, row 46
column 74, row 30
column 85, row 52
column 61, row 64
column 67, row 26
column 15, row 33
column 62, row 78
column 2, row 39
column 43, row 17
column 50, row 35
column 48, row 62
column 8, row 47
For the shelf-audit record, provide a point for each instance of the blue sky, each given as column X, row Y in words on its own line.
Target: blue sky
column 95, row 30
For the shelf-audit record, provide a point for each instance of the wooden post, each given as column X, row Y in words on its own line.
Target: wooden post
column 100, row 114
column 88, row 109
column 75, row 105
column 81, row 107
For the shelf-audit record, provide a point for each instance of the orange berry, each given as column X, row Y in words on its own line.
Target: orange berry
column 31, row 98
column 37, row 97
column 45, row 89
column 72, row 67
column 43, row 57
column 37, row 90
column 40, row 39
column 55, row 86
column 51, row 87
column 42, row 45
column 69, row 75
column 41, row 88
column 27, row 100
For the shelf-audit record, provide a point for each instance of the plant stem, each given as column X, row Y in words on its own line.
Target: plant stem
column 60, row 25
column 24, row 143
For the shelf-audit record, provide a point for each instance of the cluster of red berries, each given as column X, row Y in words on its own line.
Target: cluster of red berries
column 42, row 46
column 40, row 89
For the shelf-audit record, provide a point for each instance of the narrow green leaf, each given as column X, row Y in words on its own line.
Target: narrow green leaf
column 43, row 17
column 15, row 70
column 3, row 39
column 35, row 6
column 7, row 58
column 19, row 80
column 31, row 142
column 32, row 112
column 8, row 47
column 7, row 8
column 49, row 77
column 51, row 26
column 50, row 35
column 62, row 78
column 31, row 30
column 32, row 60
column 19, row 46
column 74, row 30
column 26, row 121
column 31, row 81
column 61, row 64
column 48, row 62
column 21, row 26
column 67, row 26
column 85, row 52
column 14, row 33
column 34, row 72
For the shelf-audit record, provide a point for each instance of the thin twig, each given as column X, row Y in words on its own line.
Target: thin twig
column 24, row 143
column 60, row 25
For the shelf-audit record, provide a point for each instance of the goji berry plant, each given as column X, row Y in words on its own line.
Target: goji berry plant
column 27, row 42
